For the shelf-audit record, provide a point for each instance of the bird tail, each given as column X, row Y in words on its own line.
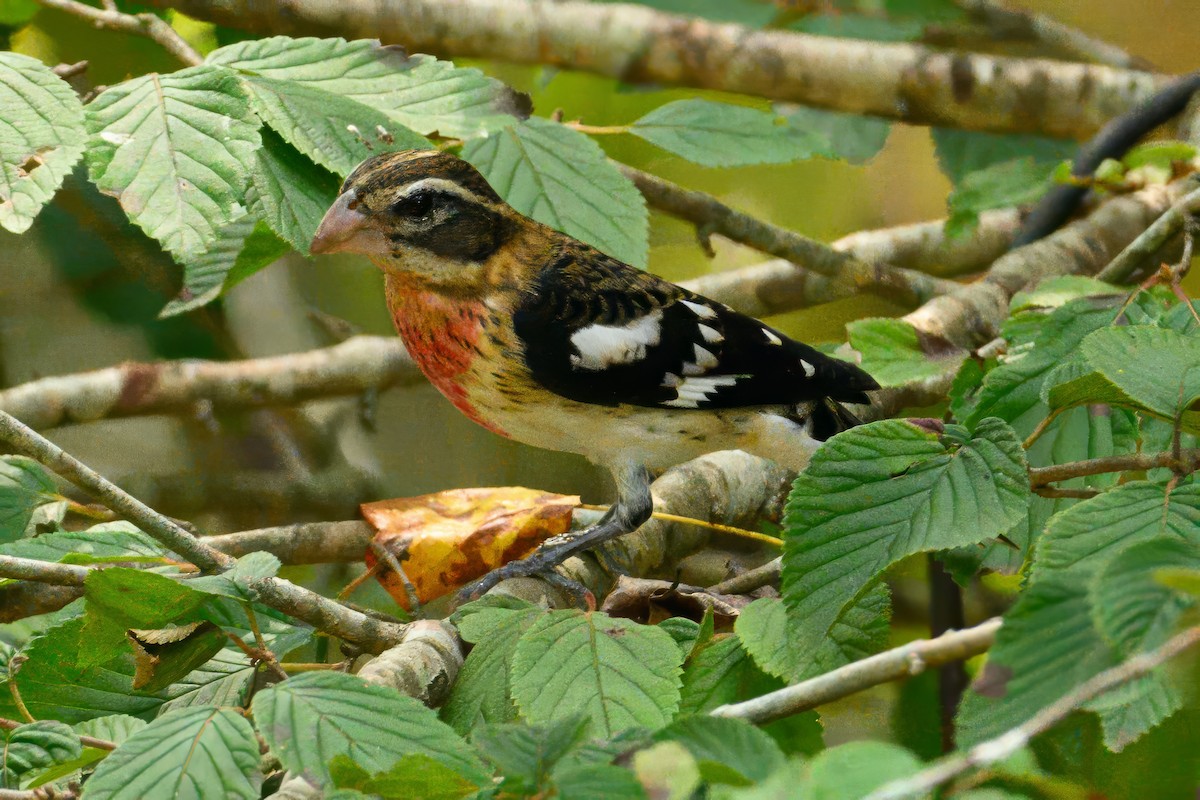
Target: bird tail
column 829, row 417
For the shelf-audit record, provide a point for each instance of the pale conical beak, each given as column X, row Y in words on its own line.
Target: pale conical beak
column 341, row 229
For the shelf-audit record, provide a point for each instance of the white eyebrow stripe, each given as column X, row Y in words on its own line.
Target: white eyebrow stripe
column 602, row 346
column 439, row 185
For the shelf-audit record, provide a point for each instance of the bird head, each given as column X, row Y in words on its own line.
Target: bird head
column 417, row 211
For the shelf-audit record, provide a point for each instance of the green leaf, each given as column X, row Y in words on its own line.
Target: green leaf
column 241, row 249
column 727, row 750
column 621, row 674
column 481, row 692
column 332, row 130
column 860, row 26
column 418, row 91
column 851, row 771
column 959, row 152
column 1162, row 154
column 40, row 141
column 526, row 754
column 1133, row 610
column 200, row 753
column 1046, row 647
column 722, row 672
column 1130, row 711
column 723, row 135
column 176, row 151
column 1060, row 290
column 415, row 776
column 1009, row 183
column 99, row 544
column 562, row 178
column 116, row 729
column 862, row 630
column 895, row 353
column 1156, row 368
column 120, row 598
column 35, row 746
column 881, row 492
column 685, row 632
column 1082, row 539
column 591, row 781
column 234, row 582
column 312, row 717
column 290, row 192
column 24, row 485
column 852, row 137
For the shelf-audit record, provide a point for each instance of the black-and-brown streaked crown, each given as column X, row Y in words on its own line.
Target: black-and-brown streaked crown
column 388, row 172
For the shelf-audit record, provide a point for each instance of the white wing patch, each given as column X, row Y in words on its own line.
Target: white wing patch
column 699, row 309
column 603, row 346
column 771, row 337
column 809, row 369
column 694, row 391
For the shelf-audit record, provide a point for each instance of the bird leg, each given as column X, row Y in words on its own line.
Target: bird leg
column 633, row 507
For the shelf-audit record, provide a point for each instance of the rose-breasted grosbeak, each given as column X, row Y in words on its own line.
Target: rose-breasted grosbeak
column 544, row 339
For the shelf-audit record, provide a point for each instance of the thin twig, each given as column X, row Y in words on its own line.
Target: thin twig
column 170, row 534
column 1187, row 460
column 19, row 702
column 713, row 216
column 146, row 25
column 750, row 580
column 1008, row 743
column 66, row 71
column 900, row 662
column 1018, row 23
column 1152, row 239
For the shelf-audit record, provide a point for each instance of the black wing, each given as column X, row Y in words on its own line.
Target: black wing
column 598, row 331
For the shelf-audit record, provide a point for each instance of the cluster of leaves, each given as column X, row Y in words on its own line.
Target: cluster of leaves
column 583, row 704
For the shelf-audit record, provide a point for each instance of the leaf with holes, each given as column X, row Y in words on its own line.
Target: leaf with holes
column 40, row 141
column 200, row 753
column 310, row 718
column 561, row 177
column 418, row 91
column 176, row 151
column 621, row 674
column 883, row 491
column 724, row 135
column 332, row 130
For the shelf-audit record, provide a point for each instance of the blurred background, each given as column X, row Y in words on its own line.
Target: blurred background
column 83, row 290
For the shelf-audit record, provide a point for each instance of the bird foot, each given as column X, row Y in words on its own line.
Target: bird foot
column 549, row 555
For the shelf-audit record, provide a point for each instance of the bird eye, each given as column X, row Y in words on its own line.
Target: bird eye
column 416, row 205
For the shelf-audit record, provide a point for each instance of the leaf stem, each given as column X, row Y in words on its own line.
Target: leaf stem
column 742, row 533
column 598, row 130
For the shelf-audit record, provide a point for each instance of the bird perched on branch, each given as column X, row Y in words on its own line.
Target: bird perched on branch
column 541, row 338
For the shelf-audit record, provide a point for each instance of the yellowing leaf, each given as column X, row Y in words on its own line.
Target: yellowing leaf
column 448, row 539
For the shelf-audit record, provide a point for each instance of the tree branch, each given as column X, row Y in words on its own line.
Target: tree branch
column 146, row 25
column 305, row 543
column 636, row 44
column 30, row 569
column 168, row 532
column 899, row 662
column 1187, row 461
column 712, row 216
column 1008, row 743
column 1152, row 239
